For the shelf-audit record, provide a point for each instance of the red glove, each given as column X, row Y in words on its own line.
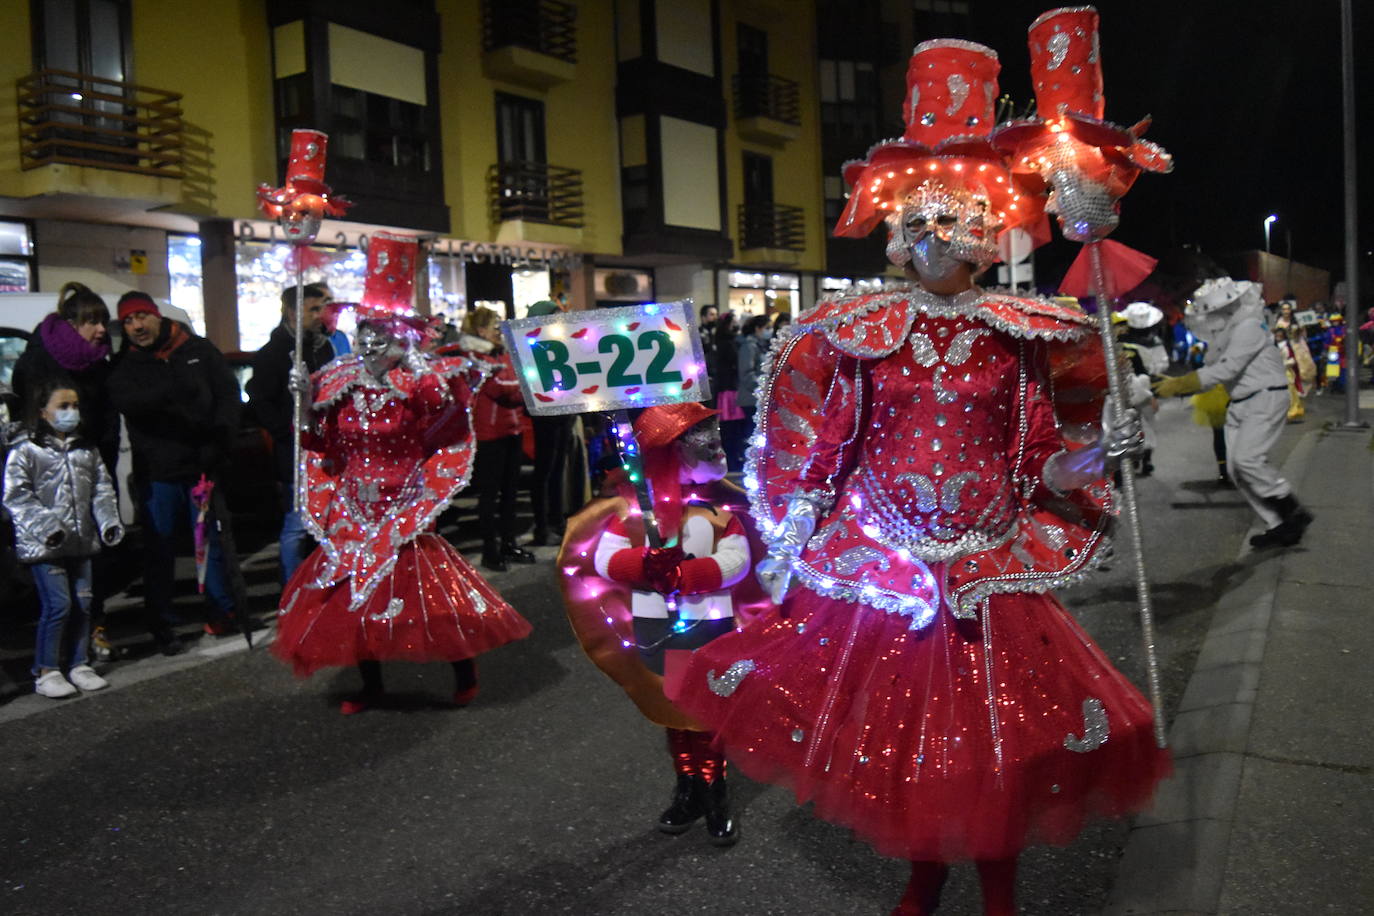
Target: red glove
column 662, row 568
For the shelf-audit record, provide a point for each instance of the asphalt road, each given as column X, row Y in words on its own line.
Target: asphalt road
column 218, row 783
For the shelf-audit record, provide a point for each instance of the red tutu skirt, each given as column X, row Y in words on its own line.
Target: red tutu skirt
column 433, row 607
column 964, row 740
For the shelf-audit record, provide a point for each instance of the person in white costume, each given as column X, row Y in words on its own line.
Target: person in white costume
column 1241, row 356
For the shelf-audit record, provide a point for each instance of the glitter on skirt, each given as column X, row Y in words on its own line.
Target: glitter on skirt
column 927, row 744
column 432, row 607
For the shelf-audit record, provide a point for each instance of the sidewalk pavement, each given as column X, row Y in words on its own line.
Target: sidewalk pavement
column 1271, row 809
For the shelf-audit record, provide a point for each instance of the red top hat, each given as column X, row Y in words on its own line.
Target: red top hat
column 305, row 169
column 304, row 188
column 390, row 280
column 1066, row 70
column 949, row 113
column 660, row 425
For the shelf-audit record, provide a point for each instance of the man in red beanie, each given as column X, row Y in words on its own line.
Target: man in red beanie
column 181, row 405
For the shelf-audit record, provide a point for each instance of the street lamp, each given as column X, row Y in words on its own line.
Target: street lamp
column 1268, row 221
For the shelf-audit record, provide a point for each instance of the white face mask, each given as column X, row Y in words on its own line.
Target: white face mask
column 66, row 420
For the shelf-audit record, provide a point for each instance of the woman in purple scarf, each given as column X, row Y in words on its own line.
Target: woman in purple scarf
column 73, row 341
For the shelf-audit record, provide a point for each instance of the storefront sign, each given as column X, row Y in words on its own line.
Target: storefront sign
column 609, row 359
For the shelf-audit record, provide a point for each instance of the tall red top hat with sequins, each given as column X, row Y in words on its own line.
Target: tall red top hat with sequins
column 304, row 193
column 1066, row 71
column 949, row 113
column 390, row 280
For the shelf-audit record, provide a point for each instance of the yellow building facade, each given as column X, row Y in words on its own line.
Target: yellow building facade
column 527, row 151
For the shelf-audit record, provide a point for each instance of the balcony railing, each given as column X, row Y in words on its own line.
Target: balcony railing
column 79, row 119
column 776, row 226
column 535, row 192
column 766, row 96
column 546, row 26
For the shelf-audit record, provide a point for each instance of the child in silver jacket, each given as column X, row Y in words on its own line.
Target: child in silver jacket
column 63, row 507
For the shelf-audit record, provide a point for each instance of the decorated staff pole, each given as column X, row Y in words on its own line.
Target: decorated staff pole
column 612, row 361
column 299, row 207
column 1088, row 165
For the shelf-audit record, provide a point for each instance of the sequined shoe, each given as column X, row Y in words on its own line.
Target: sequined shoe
column 465, row 696
column 687, row 806
column 720, row 826
column 360, row 703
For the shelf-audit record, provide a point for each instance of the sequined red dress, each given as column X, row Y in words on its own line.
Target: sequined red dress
column 382, row 463
column 921, row 686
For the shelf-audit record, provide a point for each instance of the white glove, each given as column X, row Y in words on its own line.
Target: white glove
column 774, row 571
column 415, row 361
column 298, row 381
column 1124, row 438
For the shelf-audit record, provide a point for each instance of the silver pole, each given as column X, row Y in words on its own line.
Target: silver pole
column 296, row 501
column 1352, row 241
column 1117, row 393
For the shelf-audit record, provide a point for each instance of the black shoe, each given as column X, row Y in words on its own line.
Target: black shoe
column 492, row 558
column 517, row 554
column 167, row 642
column 1274, row 537
column 687, row 806
column 720, row 826
column 1294, row 520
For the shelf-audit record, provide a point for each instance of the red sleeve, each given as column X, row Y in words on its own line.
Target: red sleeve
column 1042, row 438
column 502, row 386
column 625, row 565
column 836, row 443
column 701, row 575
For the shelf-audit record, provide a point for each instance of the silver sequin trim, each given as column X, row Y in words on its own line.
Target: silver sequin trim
column 1094, row 728
column 726, row 684
column 848, row 562
column 392, row 611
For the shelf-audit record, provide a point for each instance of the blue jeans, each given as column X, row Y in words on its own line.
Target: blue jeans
column 293, row 541
column 64, row 597
column 165, row 506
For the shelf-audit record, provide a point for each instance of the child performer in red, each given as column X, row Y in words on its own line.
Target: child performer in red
column 639, row 612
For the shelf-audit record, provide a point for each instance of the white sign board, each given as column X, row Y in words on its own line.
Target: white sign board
column 608, row 359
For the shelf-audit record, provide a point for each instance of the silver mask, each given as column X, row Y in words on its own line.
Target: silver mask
column 937, row 224
column 380, row 351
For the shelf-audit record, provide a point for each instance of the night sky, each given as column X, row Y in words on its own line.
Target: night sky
column 1247, row 97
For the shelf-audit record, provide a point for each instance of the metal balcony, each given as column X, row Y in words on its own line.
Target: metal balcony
column 775, row 227
column 767, row 107
column 535, row 192
column 84, row 120
column 545, row 26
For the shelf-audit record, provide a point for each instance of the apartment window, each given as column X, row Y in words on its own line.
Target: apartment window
column 519, row 129
column 83, row 36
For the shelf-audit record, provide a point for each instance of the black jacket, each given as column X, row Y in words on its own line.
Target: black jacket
column 268, row 394
column 182, row 411
column 99, row 420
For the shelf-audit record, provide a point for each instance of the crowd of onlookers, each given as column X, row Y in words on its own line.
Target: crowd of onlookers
column 181, row 406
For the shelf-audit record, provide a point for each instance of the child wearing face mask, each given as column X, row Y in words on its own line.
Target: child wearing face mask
column 59, row 495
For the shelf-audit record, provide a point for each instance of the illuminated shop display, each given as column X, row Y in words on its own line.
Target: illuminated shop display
column 263, row 274
column 763, row 294
column 183, row 275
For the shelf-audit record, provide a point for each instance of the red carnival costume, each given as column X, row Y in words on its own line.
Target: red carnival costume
column 389, row 446
column 920, row 470
column 673, row 599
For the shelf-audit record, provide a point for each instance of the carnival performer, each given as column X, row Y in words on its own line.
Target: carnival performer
column 677, row 598
column 1142, row 343
column 922, row 686
column 1228, row 314
column 389, row 441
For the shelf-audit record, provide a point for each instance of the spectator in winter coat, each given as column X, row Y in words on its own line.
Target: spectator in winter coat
column 182, row 405
column 73, row 343
column 706, row 329
column 497, row 413
column 272, row 403
column 753, row 350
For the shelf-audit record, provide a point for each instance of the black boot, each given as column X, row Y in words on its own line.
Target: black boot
column 1293, row 522
column 492, row 558
column 720, row 826
column 687, row 805
column 1147, row 466
column 516, row 554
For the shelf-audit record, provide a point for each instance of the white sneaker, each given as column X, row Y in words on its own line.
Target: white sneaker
column 85, row 677
column 53, row 685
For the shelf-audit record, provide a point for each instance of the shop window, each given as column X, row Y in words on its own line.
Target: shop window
column 17, row 267
column 184, row 274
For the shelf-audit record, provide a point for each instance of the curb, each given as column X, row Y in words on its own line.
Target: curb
column 1175, row 858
